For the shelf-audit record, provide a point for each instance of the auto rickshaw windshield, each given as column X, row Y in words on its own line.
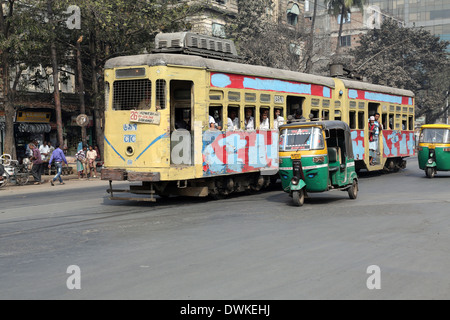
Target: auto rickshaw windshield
column 304, row 138
column 435, row 135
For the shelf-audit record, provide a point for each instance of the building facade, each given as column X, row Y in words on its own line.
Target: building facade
column 432, row 15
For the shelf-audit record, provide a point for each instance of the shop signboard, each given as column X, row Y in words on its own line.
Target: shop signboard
column 33, row 116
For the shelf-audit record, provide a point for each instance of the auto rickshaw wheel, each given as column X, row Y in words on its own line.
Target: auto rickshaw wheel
column 353, row 190
column 429, row 172
column 298, row 197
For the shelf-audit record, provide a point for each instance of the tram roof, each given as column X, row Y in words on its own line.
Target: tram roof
column 162, row 59
column 352, row 84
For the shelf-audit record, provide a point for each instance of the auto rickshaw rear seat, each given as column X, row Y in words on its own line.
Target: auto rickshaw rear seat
column 333, row 159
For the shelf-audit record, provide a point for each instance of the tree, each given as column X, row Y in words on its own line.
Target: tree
column 409, row 58
column 342, row 8
column 263, row 40
column 20, row 30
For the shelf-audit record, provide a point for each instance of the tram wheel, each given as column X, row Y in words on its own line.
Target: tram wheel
column 429, row 172
column 298, row 197
column 353, row 190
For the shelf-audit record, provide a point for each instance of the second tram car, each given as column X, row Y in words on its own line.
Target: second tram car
column 195, row 123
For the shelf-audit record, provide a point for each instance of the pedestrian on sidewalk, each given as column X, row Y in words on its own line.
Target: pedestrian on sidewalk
column 37, row 164
column 91, row 155
column 58, row 157
column 81, row 162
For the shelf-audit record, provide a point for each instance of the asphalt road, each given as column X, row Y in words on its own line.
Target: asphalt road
column 243, row 247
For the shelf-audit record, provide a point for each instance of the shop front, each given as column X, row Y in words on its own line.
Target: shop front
column 32, row 126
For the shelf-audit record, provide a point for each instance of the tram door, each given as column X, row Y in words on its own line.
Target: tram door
column 181, row 122
column 376, row 108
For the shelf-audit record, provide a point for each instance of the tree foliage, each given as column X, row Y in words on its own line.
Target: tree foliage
column 408, row 58
column 260, row 40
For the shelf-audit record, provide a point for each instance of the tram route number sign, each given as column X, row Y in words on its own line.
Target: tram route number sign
column 145, row 117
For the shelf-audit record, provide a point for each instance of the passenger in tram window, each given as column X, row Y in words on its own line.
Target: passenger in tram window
column 298, row 115
column 278, row 119
column 233, row 120
column 249, row 119
column 213, row 124
column 264, row 125
column 146, row 101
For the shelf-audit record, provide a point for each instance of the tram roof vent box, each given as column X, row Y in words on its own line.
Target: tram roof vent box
column 193, row 43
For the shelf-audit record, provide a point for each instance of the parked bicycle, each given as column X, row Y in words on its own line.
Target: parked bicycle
column 12, row 172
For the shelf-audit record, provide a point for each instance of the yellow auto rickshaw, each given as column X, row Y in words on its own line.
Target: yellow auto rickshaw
column 434, row 148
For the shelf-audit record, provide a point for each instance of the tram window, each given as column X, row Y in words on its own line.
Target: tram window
column 233, row 121
column 361, row 105
column 315, row 102
column 216, row 113
column 249, row 118
column 361, row 120
column 250, row 97
column 264, row 120
column 404, row 124
column 337, row 115
column 234, row 96
column 315, row 114
column 325, row 115
column 264, row 97
column 352, row 104
column 293, row 103
column 384, row 120
column 410, row 123
column 391, row 122
column 391, row 108
column 352, row 119
column 160, row 94
column 325, row 103
column 215, row 95
column 130, row 94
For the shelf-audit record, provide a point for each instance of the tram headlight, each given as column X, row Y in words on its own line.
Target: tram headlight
column 295, row 181
column 130, row 151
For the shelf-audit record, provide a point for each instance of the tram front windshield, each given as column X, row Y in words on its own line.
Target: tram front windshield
column 432, row 135
column 305, row 138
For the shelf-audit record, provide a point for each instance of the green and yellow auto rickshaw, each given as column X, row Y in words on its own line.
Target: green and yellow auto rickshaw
column 434, row 148
column 316, row 156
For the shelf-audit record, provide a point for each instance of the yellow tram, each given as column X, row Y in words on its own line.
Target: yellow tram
column 197, row 123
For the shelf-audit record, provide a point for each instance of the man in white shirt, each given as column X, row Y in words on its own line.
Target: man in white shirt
column 213, row 124
column 279, row 120
column 249, row 120
column 265, row 125
column 232, row 121
column 44, row 150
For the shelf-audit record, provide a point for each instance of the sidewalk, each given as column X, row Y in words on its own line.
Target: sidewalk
column 67, row 179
